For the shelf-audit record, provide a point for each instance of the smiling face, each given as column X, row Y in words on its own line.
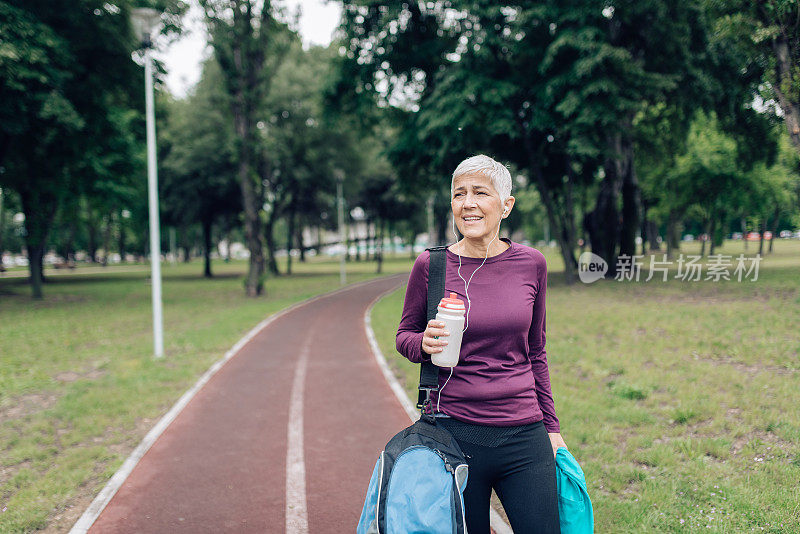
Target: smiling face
column 477, row 208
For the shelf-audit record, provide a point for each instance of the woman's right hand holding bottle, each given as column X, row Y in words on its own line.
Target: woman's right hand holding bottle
column 431, row 338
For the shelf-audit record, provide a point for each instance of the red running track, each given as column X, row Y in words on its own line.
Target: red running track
column 221, row 465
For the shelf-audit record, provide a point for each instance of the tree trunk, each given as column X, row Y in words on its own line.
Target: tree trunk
column 269, row 234
column 673, row 239
column 357, row 241
column 711, row 232
column 651, row 233
column 392, row 231
column 564, row 236
column 569, row 234
column 371, row 231
column 761, row 238
column 318, row 247
column 121, row 240
column 187, row 248
column 604, row 220
column 39, row 215
column 584, row 236
column 300, row 243
column 784, row 67
column 207, row 226
column 91, row 245
column 290, row 238
column 776, row 219
column 2, row 225
column 706, row 226
column 67, row 250
column 106, row 238
column 379, row 245
column 743, row 222
column 35, row 255
column 254, row 285
column 631, row 195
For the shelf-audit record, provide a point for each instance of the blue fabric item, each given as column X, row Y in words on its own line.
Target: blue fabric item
column 369, row 514
column 419, row 495
column 417, row 486
column 574, row 505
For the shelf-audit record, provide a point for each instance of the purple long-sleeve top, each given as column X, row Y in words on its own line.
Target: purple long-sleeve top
column 502, row 377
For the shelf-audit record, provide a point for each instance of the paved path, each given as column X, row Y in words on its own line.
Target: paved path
column 223, row 465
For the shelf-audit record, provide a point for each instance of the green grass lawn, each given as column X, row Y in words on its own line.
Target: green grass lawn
column 79, row 387
column 681, row 400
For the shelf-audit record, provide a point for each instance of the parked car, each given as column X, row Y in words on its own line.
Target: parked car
column 688, row 237
column 753, row 236
column 736, row 235
column 767, row 236
column 785, row 234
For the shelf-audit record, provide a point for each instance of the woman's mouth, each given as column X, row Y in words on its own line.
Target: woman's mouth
column 472, row 219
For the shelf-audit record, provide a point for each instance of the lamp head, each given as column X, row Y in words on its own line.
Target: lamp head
column 145, row 20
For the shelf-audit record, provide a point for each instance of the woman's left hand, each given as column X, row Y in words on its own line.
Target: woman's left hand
column 556, row 441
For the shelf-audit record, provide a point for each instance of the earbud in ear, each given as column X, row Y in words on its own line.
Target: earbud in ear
column 505, row 209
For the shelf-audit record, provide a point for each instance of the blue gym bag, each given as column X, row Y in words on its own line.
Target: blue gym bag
column 417, row 486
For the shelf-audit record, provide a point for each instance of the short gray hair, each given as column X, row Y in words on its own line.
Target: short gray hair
column 496, row 172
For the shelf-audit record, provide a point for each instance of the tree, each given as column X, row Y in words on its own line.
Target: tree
column 388, row 66
column 707, row 176
column 767, row 32
column 299, row 146
column 774, row 190
column 64, row 108
column 605, row 65
column 249, row 44
column 198, row 180
column 552, row 87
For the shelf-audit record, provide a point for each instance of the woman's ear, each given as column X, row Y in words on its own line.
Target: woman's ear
column 506, row 206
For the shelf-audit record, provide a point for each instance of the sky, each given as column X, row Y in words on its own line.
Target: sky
column 182, row 58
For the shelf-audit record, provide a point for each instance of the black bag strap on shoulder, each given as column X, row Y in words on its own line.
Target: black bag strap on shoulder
column 428, row 372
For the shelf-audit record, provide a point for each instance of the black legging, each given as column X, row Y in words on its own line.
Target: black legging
column 518, row 463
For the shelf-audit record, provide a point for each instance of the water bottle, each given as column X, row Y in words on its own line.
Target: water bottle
column 451, row 313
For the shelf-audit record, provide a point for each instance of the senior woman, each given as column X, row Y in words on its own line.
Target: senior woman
column 497, row 401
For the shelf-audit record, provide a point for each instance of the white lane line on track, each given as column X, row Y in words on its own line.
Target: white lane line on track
column 495, row 520
column 296, row 507
column 90, row 515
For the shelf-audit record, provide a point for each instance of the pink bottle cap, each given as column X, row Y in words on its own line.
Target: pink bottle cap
column 452, row 303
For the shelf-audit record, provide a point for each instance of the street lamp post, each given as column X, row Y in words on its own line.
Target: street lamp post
column 145, row 20
column 340, row 203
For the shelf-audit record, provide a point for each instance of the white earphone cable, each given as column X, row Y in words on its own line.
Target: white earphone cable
column 466, row 293
column 466, row 283
column 439, row 393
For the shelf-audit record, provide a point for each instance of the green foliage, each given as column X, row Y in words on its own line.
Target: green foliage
column 34, row 66
column 67, row 125
column 703, row 175
column 548, row 88
column 198, row 178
